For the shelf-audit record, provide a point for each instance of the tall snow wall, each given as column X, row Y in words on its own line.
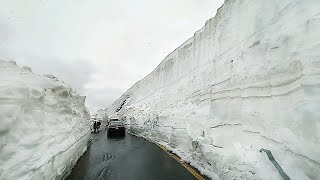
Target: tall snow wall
column 249, row 79
column 43, row 125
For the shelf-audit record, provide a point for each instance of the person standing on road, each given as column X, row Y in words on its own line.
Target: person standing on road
column 98, row 125
column 95, row 126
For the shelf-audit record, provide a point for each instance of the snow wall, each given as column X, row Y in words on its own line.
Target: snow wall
column 249, row 79
column 43, row 125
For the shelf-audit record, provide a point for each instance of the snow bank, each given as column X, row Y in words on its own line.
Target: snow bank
column 249, row 79
column 43, row 125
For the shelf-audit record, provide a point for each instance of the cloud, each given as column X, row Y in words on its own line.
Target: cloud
column 101, row 48
column 100, row 98
column 76, row 72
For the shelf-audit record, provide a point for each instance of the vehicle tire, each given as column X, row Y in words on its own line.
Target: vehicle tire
column 123, row 134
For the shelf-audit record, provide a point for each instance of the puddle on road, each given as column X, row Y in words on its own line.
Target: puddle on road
column 101, row 170
column 107, row 156
column 103, row 174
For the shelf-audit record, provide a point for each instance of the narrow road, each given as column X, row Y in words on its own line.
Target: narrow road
column 128, row 158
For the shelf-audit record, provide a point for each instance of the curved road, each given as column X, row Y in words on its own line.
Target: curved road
column 128, row 158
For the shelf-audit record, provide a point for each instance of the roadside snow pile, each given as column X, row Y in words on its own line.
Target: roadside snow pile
column 249, row 79
column 43, row 126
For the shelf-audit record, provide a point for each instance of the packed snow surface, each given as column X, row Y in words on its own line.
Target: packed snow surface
column 249, row 79
column 43, row 125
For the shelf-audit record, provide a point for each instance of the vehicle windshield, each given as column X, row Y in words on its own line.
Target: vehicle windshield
column 116, row 123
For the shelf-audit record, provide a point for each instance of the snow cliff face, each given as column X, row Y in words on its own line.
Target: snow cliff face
column 43, row 126
column 249, row 79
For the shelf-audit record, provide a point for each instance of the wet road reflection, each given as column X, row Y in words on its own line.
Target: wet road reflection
column 126, row 158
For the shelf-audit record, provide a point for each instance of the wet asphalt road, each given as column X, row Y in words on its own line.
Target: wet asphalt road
column 127, row 158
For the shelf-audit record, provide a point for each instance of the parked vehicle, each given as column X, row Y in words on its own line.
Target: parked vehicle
column 116, row 128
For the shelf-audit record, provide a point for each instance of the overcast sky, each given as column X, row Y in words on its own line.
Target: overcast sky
column 100, row 47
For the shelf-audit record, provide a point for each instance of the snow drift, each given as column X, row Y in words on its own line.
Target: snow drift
column 249, row 79
column 43, row 126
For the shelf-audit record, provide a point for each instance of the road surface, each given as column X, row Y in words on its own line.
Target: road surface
column 128, row 158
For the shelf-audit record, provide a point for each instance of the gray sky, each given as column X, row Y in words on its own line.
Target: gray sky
column 100, row 47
